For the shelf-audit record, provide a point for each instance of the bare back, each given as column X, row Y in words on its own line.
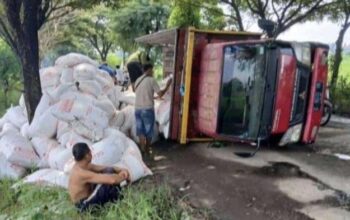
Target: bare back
column 78, row 188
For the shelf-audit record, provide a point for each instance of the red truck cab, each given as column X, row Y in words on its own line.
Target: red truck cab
column 237, row 86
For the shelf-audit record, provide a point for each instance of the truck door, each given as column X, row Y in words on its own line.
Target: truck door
column 317, row 92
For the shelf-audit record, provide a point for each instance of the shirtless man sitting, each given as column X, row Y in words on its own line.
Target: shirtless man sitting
column 91, row 185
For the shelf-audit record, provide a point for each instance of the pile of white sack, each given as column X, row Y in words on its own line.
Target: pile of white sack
column 80, row 103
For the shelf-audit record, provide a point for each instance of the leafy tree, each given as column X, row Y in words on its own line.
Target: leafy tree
column 284, row 13
column 20, row 21
column 185, row 13
column 9, row 73
column 339, row 12
column 93, row 27
column 212, row 16
column 238, row 7
column 137, row 18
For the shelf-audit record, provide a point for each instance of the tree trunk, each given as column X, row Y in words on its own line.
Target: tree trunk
column 29, row 55
column 338, row 57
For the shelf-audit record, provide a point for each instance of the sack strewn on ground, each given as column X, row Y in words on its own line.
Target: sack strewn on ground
column 80, row 103
column 48, row 177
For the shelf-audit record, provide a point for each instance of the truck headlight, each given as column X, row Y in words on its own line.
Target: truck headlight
column 292, row 135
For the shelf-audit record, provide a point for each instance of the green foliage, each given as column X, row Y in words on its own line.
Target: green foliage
column 93, row 28
column 213, row 17
column 137, row 18
column 197, row 13
column 158, row 72
column 185, row 14
column 114, row 60
column 140, row 201
column 341, row 93
column 341, row 96
column 9, row 78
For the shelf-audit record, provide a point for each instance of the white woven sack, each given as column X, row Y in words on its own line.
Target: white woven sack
column 93, row 133
column 8, row 170
column 50, row 77
column 15, row 116
column 18, row 150
column 25, row 131
column 48, row 177
column 135, row 166
column 69, row 139
column 67, row 76
column 110, row 150
column 58, row 157
column 84, row 71
column 44, row 126
column 73, row 59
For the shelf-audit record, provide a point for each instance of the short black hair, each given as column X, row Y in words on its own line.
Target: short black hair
column 80, row 150
column 147, row 67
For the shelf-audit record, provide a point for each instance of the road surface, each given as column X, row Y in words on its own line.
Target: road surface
column 298, row 182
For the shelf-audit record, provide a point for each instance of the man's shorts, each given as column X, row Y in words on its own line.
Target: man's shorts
column 145, row 119
column 101, row 195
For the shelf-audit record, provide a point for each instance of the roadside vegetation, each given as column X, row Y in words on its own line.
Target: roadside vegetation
column 341, row 96
column 141, row 201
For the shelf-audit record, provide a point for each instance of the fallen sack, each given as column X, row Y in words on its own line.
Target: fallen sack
column 43, row 105
column 18, row 150
column 8, row 170
column 89, row 87
column 118, row 120
column 106, row 82
column 2, row 122
column 48, row 177
column 44, row 126
column 58, row 157
column 114, row 95
column 84, row 71
column 110, row 150
column 94, row 134
column 135, row 166
column 43, row 145
column 67, row 76
column 73, row 59
column 8, row 127
column 25, row 131
column 106, row 105
column 128, row 98
column 62, row 128
column 50, row 77
column 164, row 129
column 89, row 115
column 15, row 116
column 163, row 112
column 69, row 139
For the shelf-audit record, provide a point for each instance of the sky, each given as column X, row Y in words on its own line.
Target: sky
column 325, row 32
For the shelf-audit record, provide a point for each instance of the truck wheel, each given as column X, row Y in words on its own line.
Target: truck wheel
column 327, row 113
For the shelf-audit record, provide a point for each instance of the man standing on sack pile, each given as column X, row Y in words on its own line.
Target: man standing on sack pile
column 145, row 87
column 134, row 65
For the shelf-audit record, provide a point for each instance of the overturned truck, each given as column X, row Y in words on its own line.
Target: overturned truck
column 237, row 86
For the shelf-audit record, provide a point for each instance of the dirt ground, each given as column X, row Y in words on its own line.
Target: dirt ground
column 298, row 182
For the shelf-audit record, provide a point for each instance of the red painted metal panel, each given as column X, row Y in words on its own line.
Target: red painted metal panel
column 209, row 89
column 317, row 93
column 177, row 99
column 284, row 94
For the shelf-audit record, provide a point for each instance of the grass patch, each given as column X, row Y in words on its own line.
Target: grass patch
column 141, row 201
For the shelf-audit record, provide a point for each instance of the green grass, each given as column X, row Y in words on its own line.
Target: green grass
column 141, row 201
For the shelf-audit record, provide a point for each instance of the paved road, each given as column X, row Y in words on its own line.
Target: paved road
column 298, row 182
